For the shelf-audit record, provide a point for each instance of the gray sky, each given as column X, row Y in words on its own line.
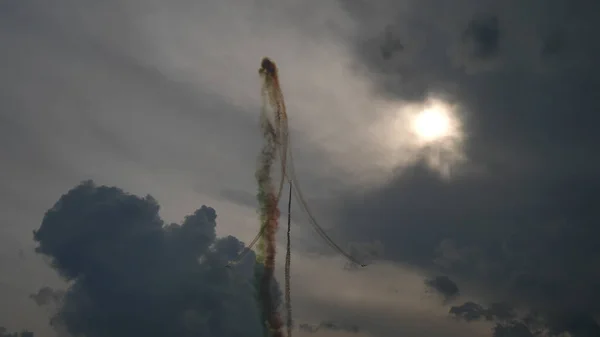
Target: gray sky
column 163, row 99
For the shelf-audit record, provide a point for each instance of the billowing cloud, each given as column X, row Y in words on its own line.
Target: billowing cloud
column 130, row 273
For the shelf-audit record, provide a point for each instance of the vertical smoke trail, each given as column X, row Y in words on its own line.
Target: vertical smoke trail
column 274, row 95
column 288, row 264
column 277, row 142
column 271, row 96
column 272, row 89
column 263, row 176
column 269, row 214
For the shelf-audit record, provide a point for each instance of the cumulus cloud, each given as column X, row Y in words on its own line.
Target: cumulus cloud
column 130, row 273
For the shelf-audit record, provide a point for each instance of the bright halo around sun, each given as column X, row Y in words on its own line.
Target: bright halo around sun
column 438, row 134
column 432, row 124
column 430, row 132
column 435, row 121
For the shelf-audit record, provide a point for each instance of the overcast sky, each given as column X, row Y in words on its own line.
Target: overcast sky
column 163, row 98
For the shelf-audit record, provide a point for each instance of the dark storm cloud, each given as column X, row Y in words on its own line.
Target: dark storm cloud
column 444, row 286
column 482, row 36
column 552, row 44
column 390, row 45
column 531, row 324
column 524, row 227
column 132, row 274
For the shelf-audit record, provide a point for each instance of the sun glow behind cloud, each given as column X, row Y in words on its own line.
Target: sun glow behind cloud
column 432, row 124
column 430, row 131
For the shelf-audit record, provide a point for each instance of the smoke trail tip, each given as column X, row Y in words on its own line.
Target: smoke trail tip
column 268, row 67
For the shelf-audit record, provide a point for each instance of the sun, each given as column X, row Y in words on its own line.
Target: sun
column 432, row 123
column 429, row 132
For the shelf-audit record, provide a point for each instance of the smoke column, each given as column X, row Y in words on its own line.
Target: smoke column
column 269, row 215
column 272, row 91
column 288, row 264
column 277, row 142
column 271, row 97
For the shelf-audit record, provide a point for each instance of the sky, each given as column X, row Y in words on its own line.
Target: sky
column 486, row 230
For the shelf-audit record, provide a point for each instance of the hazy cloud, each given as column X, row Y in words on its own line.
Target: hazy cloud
column 47, row 295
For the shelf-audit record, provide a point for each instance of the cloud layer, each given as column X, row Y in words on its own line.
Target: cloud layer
column 518, row 223
column 155, row 97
